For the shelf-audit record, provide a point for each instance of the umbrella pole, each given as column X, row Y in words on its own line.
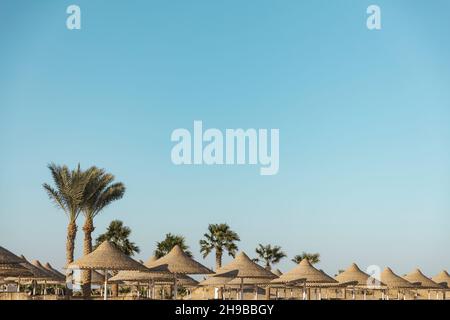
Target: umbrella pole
column 153, row 289
column 175, row 287
column 304, row 290
column 242, row 289
column 18, row 284
column 105, row 290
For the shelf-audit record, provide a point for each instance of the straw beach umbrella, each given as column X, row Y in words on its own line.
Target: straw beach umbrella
column 423, row 282
column 106, row 257
column 304, row 273
column 178, row 263
column 443, row 279
column 417, row 276
column 243, row 267
column 394, row 281
column 9, row 258
column 358, row 278
column 277, row 272
column 55, row 272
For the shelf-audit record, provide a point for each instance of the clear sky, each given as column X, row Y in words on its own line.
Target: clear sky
column 363, row 116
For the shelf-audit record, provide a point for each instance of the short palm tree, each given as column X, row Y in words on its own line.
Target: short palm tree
column 68, row 196
column 100, row 192
column 171, row 240
column 313, row 258
column 269, row 255
column 219, row 238
column 118, row 234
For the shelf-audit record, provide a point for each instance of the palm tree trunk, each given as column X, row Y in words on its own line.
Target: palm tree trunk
column 70, row 245
column 88, row 228
column 218, row 260
column 218, row 266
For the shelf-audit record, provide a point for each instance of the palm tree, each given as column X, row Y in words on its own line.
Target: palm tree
column 100, row 191
column 219, row 238
column 269, row 255
column 118, row 234
column 171, row 240
column 68, row 196
column 313, row 258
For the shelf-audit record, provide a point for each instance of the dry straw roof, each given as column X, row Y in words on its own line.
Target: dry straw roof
column 216, row 280
column 14, row 270
column 392, row 280
column 106, row 257
column 7, row 257
column 140, row 276
column 277, row 272
column 249, row 281
column 38, row 273
column 355, row 275
column 243, row 267
column 57, row 274
column 418, row 277
column 443, row 279
column 304, row 271
column 177, row 261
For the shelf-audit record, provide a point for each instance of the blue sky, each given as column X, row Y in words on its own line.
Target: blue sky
column 363, row 117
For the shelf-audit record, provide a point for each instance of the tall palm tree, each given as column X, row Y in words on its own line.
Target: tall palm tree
column 171, row 240
column 313, row 258
column 118, row 234
column 68, row 196
column 219, row 238
column 269, row 255
column 100, row 192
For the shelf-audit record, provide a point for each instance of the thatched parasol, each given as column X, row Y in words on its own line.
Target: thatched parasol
column 106, row 257
column 304, row 272
column 61, row 277
column 356, row 275
column 243, row 267
column 394, row 281
column 9, row 258
column 177, row 262
column 443, row 279
column 277, row 272
column 424, row 282
column 14, row 270
column 38, row 273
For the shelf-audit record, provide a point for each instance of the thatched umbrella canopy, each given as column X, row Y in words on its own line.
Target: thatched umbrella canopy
column 218, row 280
column 141, row 276
column 106, row 257
column 178, row 263
column 242, row 267
column 424, row 282
column 394, row 281
column 14, row 270
column 38, row 273
column 9, row 258
column 277, row 272
column 443, row 279
column 354, row 274
column 304, row 272
column 57, row 274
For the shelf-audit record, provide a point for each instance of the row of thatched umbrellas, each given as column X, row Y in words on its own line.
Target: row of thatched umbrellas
column 19, row 269
column 174, row 268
